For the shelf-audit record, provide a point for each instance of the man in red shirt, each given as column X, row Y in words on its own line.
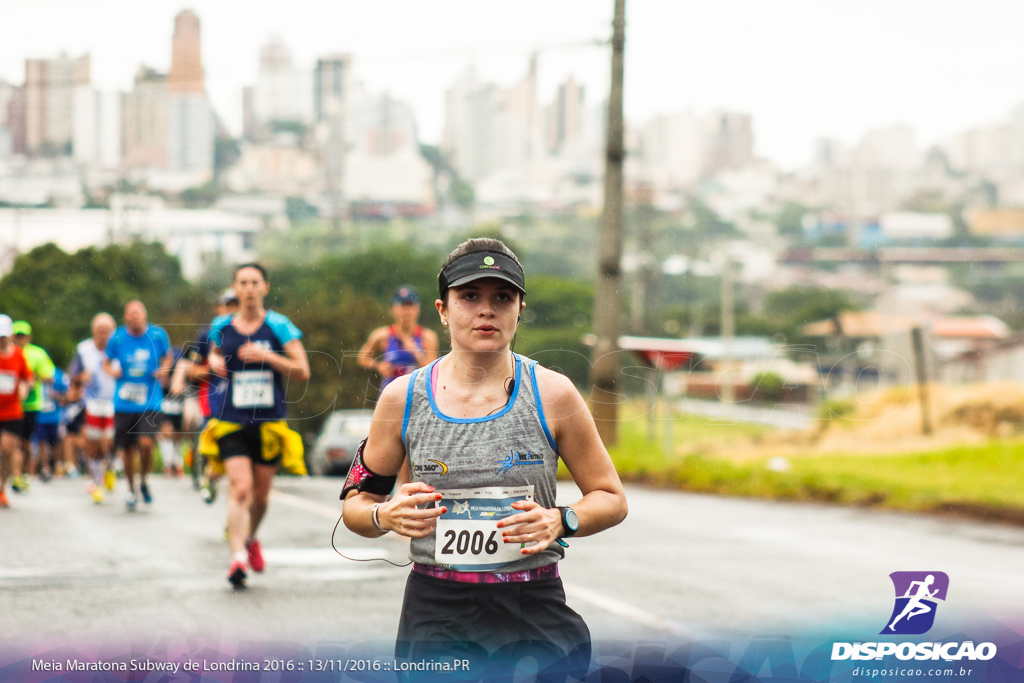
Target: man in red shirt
column 15, row 383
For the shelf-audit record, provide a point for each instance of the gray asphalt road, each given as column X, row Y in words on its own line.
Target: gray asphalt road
column 681, row 566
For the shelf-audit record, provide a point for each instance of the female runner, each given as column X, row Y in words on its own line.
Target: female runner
column 257, row 350
column 398, row 349
column 482, row 430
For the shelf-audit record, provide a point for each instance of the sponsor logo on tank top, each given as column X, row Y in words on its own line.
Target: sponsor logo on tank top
column 430, row 467
column 515, row 459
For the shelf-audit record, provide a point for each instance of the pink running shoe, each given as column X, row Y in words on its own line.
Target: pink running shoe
column 255, row 555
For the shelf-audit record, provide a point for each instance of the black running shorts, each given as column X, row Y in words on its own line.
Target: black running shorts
column 28, row 424
column 444, row 619
column 11, row 427
column 246, row 442
column 129, row 427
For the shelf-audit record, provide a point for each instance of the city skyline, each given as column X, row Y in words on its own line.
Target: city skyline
column 802, row 71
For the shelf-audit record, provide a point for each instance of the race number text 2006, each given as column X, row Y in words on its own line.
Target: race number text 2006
column 468, row 534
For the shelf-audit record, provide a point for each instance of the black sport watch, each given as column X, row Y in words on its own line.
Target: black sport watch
column 570, row 522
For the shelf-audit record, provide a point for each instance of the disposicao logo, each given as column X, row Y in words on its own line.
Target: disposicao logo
column 489, row 263
column 914, row 614
column 916, row 595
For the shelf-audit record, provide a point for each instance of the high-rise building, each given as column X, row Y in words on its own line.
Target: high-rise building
column 383, row 126
column 384, row 163
column 874, row 176
column 186, row 74
column 49, row 101
column 333, row 106
column 565, row 116
column 468, row 139
column 672, row 150
column 7, row 98
column 97, row 127
column 892, row 147
column 191, row 128
column 282, row 93
column 191, row 133
column 249, row 113
column 332, row 86
column 996, row 148
column 490, row 129
column 520, row 124
column 16, row 122
column 144, row 121
column 729, row 141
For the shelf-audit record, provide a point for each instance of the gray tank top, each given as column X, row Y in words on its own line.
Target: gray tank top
column 510, row 448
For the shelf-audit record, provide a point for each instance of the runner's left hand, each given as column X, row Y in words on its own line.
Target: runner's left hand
column 536, row 524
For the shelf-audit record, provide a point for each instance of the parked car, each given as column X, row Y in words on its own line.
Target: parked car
column 339, row 438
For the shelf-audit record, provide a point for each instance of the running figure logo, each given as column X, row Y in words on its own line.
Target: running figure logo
column 515, row 459
column 916, row 595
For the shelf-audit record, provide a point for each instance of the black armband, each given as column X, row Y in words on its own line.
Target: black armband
column 362, row 479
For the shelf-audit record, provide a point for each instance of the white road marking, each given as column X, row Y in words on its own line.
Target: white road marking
column 331, row 575
column 616, row 607
column 627, row 611
column 319, row 557
column 307, row 505
column 26, row 572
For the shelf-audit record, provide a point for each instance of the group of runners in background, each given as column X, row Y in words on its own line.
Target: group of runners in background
column 124, row 389
column 216, row 406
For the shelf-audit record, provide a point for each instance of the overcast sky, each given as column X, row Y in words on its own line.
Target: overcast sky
column 802, row 68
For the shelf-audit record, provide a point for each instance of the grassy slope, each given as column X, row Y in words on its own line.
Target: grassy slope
column 985, row 480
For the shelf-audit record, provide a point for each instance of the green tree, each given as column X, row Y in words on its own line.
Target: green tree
column 299, row 210
column 790, row 219
column 226, row 153
column 707, row 223
column 462, row 193
column 59, row 293
column 557, row 316
column 794, row 307
column 200, row 197
column 297, row 128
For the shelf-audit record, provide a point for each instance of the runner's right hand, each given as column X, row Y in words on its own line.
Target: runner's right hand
column 401, row 514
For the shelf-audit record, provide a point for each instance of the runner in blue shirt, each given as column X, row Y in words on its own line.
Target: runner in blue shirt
column 138, row 357
column 257, row 350
column 49, row 429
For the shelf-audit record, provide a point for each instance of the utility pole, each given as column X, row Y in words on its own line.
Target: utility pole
column 728, row 333
column 604, row 374
column 921, row 368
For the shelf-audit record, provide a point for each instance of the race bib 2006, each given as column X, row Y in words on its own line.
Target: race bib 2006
column 468, row 537
column 252, row 389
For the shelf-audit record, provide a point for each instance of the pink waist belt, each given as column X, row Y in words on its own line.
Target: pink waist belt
column 546, row 572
